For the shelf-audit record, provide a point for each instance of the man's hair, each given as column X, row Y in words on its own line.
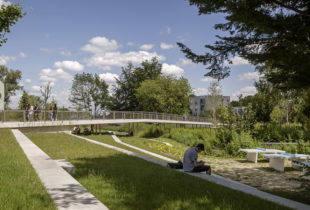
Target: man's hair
column 200, row 146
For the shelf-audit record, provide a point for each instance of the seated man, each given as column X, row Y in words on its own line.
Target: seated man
column 86, row 131
column 190, row 163
column 76, row 130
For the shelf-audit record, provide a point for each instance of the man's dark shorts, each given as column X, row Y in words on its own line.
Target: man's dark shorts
column 201, row 168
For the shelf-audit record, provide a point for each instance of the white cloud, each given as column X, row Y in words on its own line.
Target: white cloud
column 23, row 55
column 208, row 79
column 250, row 76
column 172, row 70
column 237, row 61
column 50, row 75
column 105, row 54
column 35, row 88
column 28, row 80
column 146, row 47
column 200, row 91
column 4, row 59
column 185, row 62
column 246, row 91
column 5, row 3
column 46, row 50
column 70, row 65
column 65, row 53
column 165, row 46
column 99, row 45
column 109, row 78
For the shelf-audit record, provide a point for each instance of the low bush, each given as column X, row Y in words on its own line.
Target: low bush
column 272, row 132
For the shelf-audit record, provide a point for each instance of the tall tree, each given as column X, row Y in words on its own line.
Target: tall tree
column 46, row 92
column 11, row 79
column 215, row 99
column 164, row 94
column 9, row 15
column 23, row 101
column 124, row 97
column 272, row 34
column 89, row 92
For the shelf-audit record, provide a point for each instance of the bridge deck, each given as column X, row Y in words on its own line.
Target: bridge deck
column 95, row 122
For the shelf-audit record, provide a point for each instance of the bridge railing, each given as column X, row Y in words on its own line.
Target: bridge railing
column 43, row 115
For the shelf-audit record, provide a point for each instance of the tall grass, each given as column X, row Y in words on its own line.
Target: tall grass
column 125, row 182
column 20, row 187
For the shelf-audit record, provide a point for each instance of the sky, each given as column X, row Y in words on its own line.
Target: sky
column 57, row 39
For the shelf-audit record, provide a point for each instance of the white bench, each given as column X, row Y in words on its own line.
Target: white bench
column 276, row 161
column 306, row 169
column 252, row 154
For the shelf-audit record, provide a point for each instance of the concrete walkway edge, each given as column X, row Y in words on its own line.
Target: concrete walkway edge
column 66, row 192
column 116, row 139
column 215, row 179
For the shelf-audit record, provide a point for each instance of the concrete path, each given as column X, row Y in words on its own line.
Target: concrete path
column 215, row 179
column 66, row 192
column 116, row 139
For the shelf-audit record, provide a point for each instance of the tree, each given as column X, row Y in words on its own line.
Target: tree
column 271, row 34
column 23, row 101
column 11, row 79
column 46, row 93
column 165, row 95
column 9, row 15
column 124, row 97
column 215, row 99
column 89, row 92
column 33, row 100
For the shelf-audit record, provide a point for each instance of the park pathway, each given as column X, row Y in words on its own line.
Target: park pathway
column 66, row 192
column 213, row 178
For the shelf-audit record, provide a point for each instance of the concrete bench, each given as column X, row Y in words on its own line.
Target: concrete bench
column 252, row 154
column 67, row 166
column 306, row 170
column 276, row 161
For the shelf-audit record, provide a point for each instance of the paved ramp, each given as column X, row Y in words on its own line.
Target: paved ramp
column 66, row 192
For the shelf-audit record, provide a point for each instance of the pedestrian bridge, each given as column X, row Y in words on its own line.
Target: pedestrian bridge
column 17, row 119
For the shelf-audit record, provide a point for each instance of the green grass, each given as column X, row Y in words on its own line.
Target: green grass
column 20, row 187
column 125, row 182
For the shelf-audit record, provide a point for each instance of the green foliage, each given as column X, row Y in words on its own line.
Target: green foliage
column 89, row 90
column 124, row 97
column 164, row 95
column 24, row 100
column 276, row 116
column 270, row 132
column 9, row 15
column 11, row 81
column 273, row 34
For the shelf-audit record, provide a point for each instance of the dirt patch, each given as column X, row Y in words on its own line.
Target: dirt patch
column 260, row 175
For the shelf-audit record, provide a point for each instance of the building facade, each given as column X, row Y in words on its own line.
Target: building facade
column 198, row 104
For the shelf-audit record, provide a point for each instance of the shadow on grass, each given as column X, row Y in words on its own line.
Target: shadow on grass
column 138, row 184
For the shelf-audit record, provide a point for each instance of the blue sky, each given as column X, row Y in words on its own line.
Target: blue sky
column 60, row 38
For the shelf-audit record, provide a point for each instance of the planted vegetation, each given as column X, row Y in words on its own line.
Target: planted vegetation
column 20, row 187
column 125, row 182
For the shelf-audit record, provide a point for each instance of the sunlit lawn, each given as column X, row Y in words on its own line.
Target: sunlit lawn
column 20, row 187
column 125, row 182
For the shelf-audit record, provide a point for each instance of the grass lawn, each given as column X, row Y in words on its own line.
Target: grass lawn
column 20, row 187
column 125, row 182
column 220, row 163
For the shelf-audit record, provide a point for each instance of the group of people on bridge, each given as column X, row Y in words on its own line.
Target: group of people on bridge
column 33, row 112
